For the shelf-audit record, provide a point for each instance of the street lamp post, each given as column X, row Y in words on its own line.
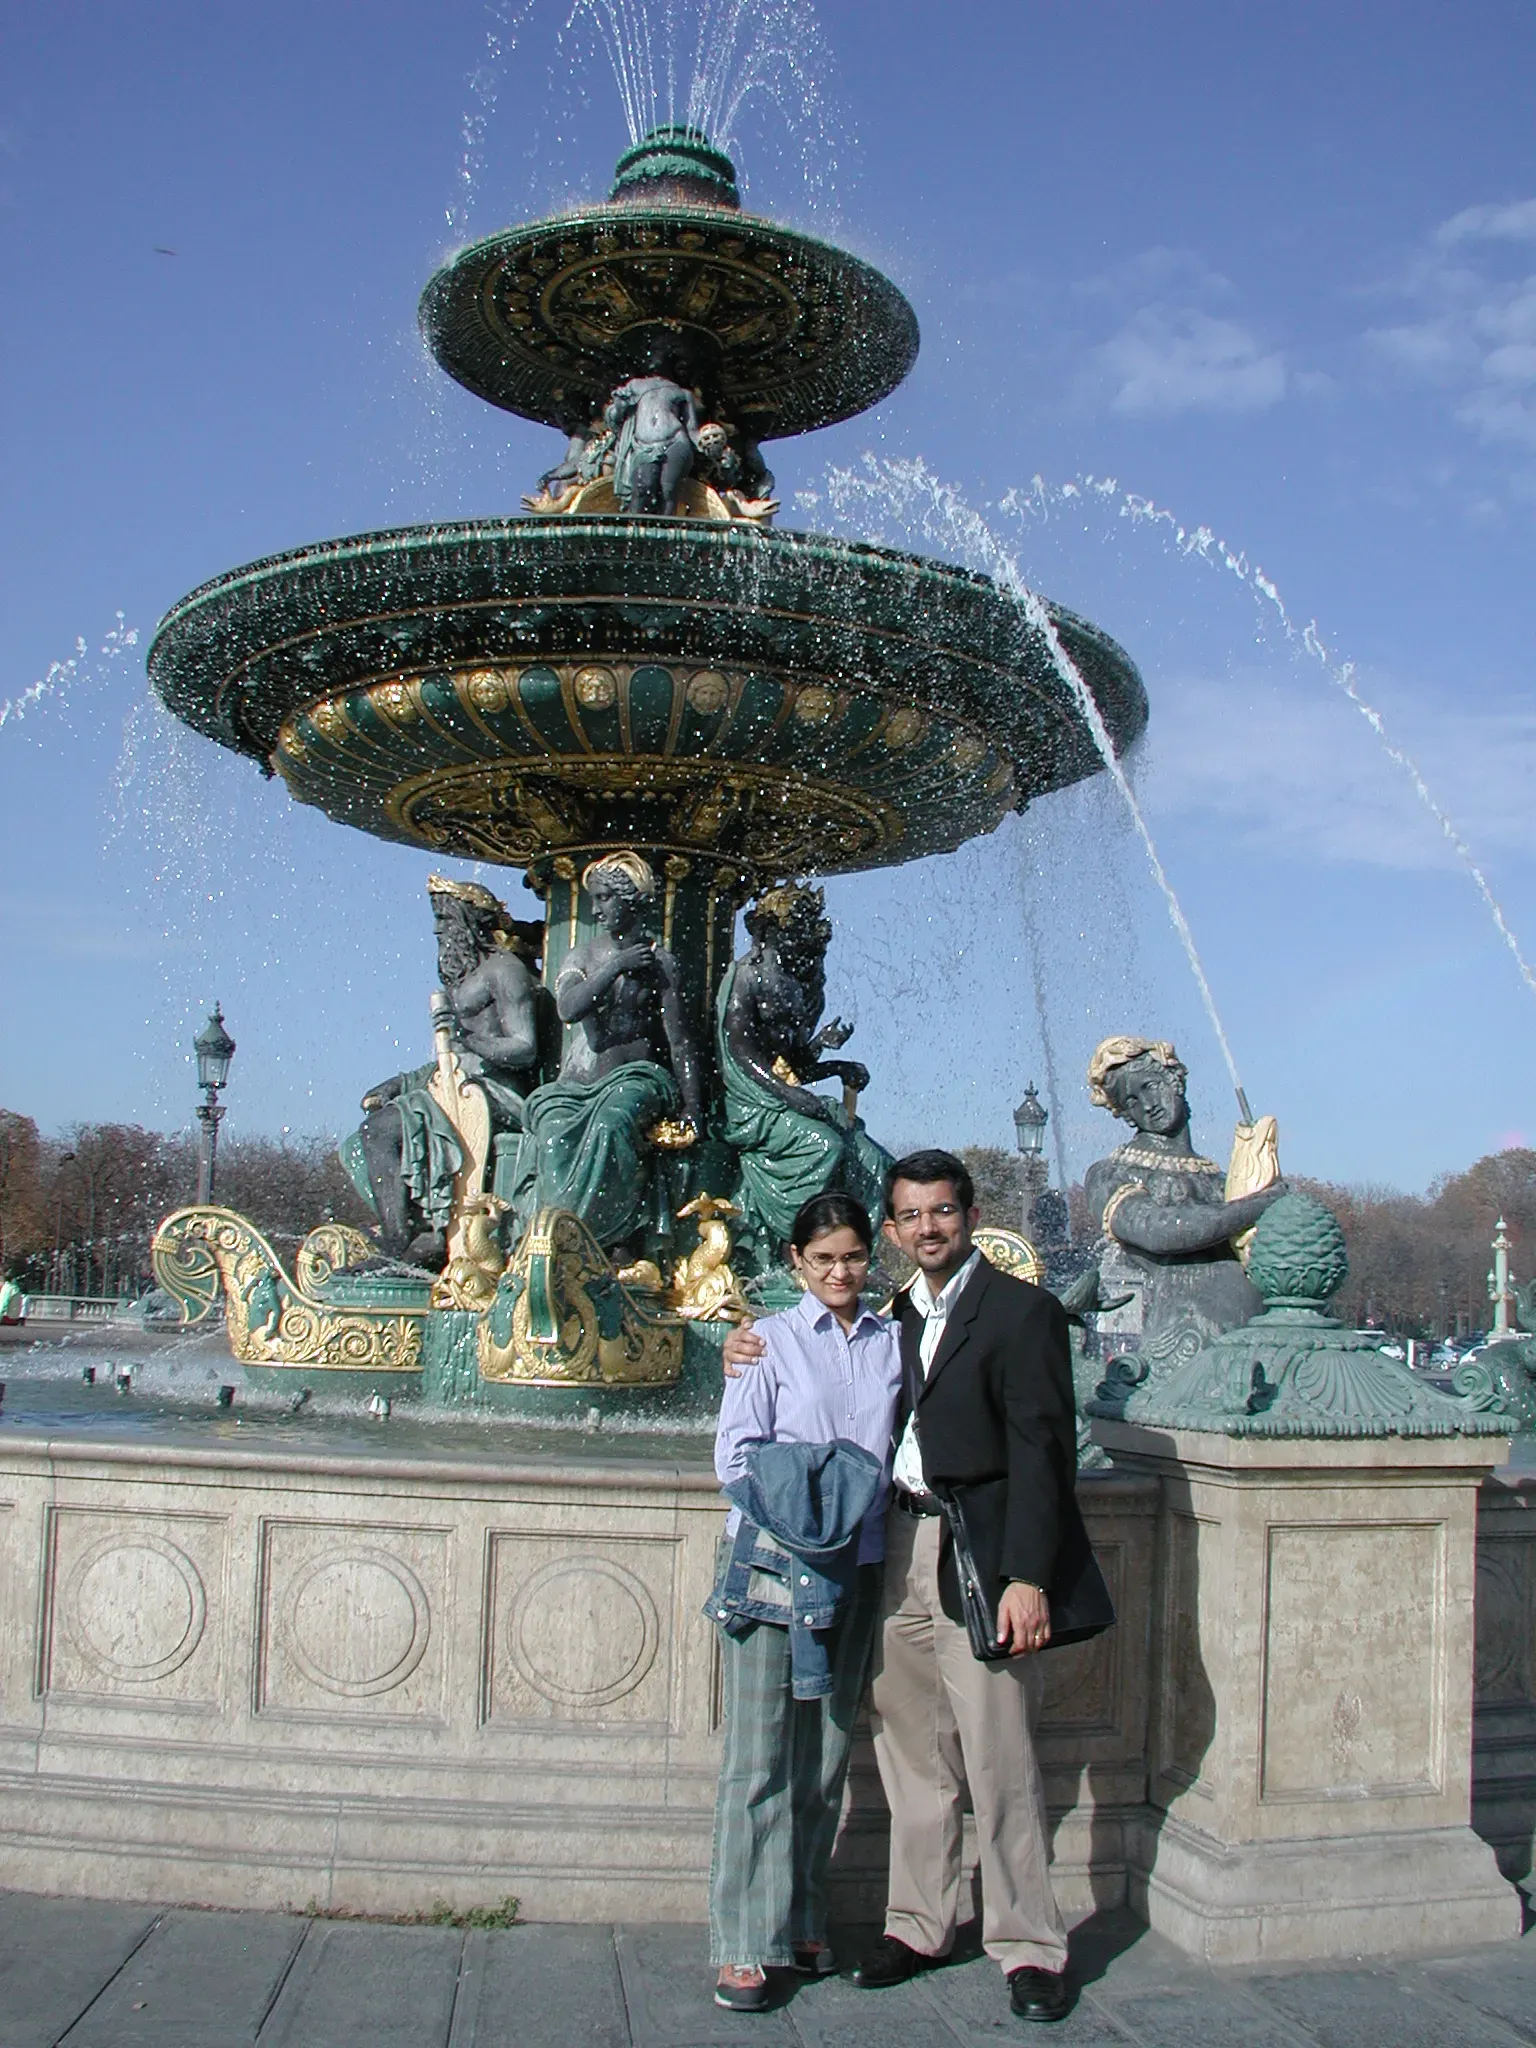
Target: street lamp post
column 1029, row 1122
column 1500, row 1293
column 214, row 1049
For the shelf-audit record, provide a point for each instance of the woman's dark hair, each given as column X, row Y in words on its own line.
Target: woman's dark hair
column 831, row 1212
column 925, row 1169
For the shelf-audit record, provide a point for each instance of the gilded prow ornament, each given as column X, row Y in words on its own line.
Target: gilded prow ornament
column 271, row 1317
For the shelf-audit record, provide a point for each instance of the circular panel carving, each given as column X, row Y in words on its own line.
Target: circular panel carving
column 357, row 1624
column 596, row 689
column 583, row 1632
column 708, row 692
column 135, row 1607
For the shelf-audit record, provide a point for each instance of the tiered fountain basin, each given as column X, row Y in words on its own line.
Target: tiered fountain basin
column 499, row 689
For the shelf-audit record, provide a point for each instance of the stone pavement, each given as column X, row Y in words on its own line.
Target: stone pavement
column 81, row 1974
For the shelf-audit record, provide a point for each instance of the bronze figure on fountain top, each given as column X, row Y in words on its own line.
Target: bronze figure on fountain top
column 1173, row 1221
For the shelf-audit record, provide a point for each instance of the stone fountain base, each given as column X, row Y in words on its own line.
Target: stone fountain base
column 267, row 1663
column 252, row 1661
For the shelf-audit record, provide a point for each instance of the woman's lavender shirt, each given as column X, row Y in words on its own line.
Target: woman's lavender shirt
column 818, row 1382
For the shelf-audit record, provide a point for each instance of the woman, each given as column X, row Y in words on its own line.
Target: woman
column 829, row 1381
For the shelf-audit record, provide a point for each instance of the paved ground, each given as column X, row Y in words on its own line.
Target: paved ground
column 75, row 1974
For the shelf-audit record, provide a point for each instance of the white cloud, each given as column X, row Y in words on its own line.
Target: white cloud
column 1512, row 223
column 1287, row 765
column 1172, row 352
column 1169, row 360
column 1475, row 332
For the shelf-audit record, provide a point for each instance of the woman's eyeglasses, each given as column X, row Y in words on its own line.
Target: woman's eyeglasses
column 820, row 1263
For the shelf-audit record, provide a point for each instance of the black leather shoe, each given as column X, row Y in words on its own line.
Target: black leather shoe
column 1038, row 1994
column 889, row 1962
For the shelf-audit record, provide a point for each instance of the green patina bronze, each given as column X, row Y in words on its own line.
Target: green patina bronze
column 643, row 668
column 1501, row 1378
column 1294, row 1371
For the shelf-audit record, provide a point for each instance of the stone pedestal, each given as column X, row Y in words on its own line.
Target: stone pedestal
column 1310, row 1742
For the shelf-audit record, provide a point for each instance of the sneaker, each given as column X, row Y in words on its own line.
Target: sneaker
column 742, row 1987
column 815, row 1959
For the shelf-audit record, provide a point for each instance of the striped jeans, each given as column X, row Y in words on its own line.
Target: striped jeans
column 781, row 1786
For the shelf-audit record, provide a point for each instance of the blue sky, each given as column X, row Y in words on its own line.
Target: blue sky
column 1273, row 270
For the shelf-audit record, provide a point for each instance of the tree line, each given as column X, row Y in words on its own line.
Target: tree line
column 78, row 1212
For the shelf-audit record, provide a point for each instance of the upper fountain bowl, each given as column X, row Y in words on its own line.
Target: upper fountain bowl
column 781, row 332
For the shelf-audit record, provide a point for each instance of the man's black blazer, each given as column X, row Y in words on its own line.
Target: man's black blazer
column 997, row 1428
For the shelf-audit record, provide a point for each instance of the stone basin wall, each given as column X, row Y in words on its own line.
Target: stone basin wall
column 266, row 1674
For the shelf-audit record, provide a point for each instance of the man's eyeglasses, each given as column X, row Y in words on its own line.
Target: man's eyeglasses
column 820, row 1263
column 941, row 1213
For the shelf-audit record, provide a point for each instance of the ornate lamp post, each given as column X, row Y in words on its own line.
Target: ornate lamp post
column 1500, row 1292
column 1029, row 1121
column 215, row 1049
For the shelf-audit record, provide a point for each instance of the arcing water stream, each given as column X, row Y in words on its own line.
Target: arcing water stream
column 1201, row 543
column 910, row 489
column 61, row 676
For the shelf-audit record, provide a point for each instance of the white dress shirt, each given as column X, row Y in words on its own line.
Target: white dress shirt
column 907, row 1471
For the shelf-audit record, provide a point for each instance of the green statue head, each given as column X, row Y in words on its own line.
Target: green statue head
column 1141, row 1080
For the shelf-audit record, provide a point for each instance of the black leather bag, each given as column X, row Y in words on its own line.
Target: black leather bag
column 1080, row 1603
column 980, row 1613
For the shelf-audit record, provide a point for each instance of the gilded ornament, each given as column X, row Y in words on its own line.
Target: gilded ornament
column 1010, row 1252
column 704, row 1289
column 672, row 1134
column 815, row 705
column 563, row 1318
column 596, row 689
column 399, row 702
column 470, row 1279
column 903, row 727
column 329, row 716
column 708, row 692
column 273, row 1319
column 330, row 1249
column 489, row 689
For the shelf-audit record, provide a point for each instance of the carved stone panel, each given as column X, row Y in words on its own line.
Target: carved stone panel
column 1506, row 1615
column 1082, row 1683
column 353, row 1621
column 133, row 1607
column 1190, row 1616
column 579, row 1629
column 1353, row 1661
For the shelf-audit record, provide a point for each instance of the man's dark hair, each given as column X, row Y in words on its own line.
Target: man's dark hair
column 927, row 1167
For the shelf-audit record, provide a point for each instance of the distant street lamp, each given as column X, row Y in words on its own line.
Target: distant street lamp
column 1029, row 1121
column 1500, row 1293
column 215, row 1049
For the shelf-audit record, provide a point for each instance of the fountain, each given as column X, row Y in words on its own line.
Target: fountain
column 283, row 1653
column 660, row 708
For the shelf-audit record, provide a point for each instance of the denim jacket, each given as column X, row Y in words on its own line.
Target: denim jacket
column 793, row 1559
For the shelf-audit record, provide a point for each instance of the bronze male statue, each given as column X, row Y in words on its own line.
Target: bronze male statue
column 405, row 1157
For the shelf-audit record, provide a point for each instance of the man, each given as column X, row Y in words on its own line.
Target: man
column 987, row 1416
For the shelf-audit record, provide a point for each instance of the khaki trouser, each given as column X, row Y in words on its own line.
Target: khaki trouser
column 943, row 1721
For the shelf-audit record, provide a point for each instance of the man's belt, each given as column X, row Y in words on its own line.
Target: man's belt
column 915, row 1503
